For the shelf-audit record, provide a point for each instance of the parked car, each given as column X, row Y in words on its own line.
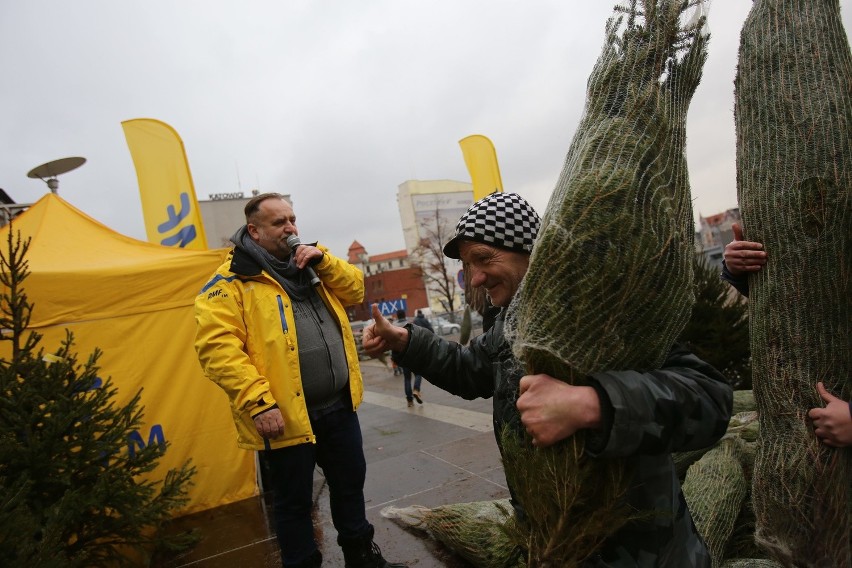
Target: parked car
column 358, row 326
column 357, row 332
column 443, row 326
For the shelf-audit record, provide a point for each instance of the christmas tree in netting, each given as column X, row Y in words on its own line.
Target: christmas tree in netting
column 476, row 531
column 794, row 171
column 610, row 279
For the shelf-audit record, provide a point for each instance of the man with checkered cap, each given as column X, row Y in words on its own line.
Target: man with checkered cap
column 642, row 416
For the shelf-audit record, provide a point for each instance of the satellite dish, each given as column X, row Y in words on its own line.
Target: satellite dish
column 52, row 169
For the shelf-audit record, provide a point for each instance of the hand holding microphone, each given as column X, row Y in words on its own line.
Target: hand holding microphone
column 294, row 242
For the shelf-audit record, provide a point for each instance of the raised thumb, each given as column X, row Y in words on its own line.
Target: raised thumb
column 378, row 317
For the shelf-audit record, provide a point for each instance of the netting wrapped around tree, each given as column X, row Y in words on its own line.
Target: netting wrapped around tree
column 476, row 531
column 609, row 283
column 751, row 563
column 794, row 171
column 715, row 488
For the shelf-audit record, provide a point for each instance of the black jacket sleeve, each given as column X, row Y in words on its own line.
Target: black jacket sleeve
column 463, row 371
column 738, row 282
column 684, row 405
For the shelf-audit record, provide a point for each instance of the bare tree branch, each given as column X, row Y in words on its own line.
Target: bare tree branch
column 435, row 268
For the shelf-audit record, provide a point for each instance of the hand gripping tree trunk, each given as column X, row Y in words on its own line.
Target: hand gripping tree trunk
column 793, row 120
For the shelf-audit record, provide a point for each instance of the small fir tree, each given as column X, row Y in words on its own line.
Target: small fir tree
column 70, row 490
column 717, row 331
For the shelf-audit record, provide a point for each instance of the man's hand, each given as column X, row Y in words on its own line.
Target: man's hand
column 382, row 335
column 552, row 410
column 832, row 424
column 269, row 424
column 305, row 255
column 743, row 256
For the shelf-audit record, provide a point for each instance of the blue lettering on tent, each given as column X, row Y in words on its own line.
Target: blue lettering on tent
column 187, row 234
column 135, row 441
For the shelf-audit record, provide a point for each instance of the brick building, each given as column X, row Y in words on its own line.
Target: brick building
column 388, row 280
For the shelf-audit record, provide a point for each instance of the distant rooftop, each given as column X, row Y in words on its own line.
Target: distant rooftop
column 389, row 256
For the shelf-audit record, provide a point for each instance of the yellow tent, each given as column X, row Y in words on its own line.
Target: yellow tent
column 134, row 301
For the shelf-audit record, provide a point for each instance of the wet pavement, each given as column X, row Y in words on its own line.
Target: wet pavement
column 437, row 453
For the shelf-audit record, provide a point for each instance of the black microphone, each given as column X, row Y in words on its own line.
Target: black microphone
column 294, row 242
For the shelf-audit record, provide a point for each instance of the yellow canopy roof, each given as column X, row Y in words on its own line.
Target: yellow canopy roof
column 82, row 270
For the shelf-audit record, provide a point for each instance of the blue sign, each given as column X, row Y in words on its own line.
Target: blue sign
column 461, row 279
column 390, row 307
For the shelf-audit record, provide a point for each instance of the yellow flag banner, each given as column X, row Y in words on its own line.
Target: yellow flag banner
column 169, row 204
column 481, row 160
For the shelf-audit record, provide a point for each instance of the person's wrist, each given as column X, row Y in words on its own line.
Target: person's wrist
column 591, row 405
column 726, row 268
column 403, row 338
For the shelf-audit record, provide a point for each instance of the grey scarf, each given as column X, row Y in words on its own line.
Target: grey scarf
column 295, row 281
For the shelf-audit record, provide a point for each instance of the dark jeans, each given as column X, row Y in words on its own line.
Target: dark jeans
column 409, row 394
column 339, row 452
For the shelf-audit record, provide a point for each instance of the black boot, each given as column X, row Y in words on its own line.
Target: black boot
column 312, row 561
column 362, row 552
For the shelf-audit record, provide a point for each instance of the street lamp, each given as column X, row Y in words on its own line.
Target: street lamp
column 48, row 172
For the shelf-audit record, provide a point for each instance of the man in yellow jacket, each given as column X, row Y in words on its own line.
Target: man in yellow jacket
column 281, row 348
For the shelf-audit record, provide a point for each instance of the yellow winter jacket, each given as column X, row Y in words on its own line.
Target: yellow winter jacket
column 246, row 342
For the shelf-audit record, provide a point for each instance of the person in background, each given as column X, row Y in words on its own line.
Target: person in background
column 283, row 351
column 420, row 319
column 642, row 416
column 832, row 423
column 410, row 394
column 397, row 370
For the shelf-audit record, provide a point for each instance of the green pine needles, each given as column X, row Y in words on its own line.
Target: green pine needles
column 610, row 279
column 70, row 489
column 717, row 330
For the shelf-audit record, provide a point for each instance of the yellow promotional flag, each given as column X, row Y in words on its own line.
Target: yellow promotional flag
column 481, row 161
column 169, row 204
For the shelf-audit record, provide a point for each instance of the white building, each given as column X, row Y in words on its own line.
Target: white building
column 223, row 214
column 428, row 210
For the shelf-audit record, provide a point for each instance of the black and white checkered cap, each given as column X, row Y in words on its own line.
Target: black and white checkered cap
column 503, row 220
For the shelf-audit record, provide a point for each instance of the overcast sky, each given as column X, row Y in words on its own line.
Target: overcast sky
column 335, row 103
